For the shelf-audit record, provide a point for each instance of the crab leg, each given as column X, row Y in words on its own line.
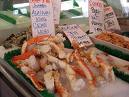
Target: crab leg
column 23, row 56
column 28, row 71
column 49, row 80
column 37, row 83
column 78, row 71
column 58, row 50
column 88, row 73
column 31, row 74
column 45, row 39
column 24, row 46
column 106, row 69
column 76, row 84
column 33, row 41
column 59, row 87
column 37, row 39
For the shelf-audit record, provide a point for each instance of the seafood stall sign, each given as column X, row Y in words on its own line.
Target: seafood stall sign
column 77, row 35
column 110, row 19
column 42, row 17
column 96, row 17
column 56, row 10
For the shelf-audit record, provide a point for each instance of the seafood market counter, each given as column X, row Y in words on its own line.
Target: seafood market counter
column 104, row 68
column 21, row 87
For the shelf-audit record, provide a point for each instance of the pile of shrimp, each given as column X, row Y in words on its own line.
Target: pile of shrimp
column 114, row 39
column 44, row 60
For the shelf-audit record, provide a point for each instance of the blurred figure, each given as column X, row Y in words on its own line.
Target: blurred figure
column 125, row 6
column 7, row 4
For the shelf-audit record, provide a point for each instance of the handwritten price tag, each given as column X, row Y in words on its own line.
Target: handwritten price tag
column 110, row 19
column 75, row 33
column 42, row 17
column 56, row 10
column 96, row 17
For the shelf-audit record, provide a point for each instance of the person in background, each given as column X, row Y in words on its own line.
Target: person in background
column 7, row 4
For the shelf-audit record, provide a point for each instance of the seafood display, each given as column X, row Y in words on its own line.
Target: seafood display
column 46, row 62
column 119, row 66
column 41, row 61
column 114, row 39
column 65, row 61
column 17, row 39
column 99, row 64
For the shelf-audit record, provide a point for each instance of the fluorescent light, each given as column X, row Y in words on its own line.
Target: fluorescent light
column 20, row 5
